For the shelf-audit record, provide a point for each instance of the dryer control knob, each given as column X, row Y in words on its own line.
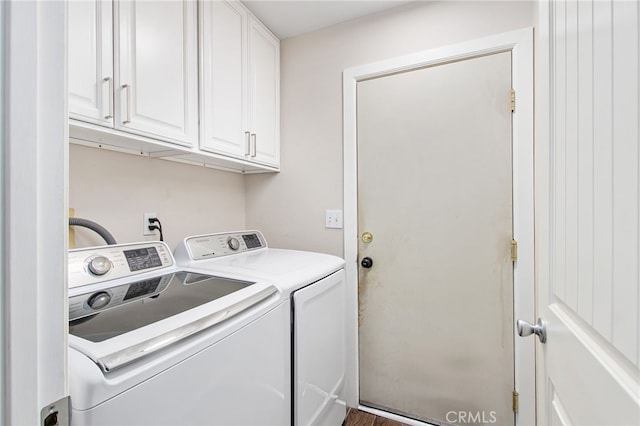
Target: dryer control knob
column 99, row 300
column 233, row 243
column 99, row 265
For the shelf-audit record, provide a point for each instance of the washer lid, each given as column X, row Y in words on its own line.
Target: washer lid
column 137, row 304
column 145, row 316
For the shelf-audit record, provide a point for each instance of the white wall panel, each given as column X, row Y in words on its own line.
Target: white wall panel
column 596, row 162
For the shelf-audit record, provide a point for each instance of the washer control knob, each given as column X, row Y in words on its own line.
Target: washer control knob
column 99, row 300
column 233, row 243
column 99, row 265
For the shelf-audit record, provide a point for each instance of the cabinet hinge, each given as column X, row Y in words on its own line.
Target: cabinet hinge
column 514, row 250
column 514, row 401
column 513, row 100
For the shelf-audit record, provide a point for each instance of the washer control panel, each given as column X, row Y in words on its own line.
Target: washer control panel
column 223, row 244
column 97, row 264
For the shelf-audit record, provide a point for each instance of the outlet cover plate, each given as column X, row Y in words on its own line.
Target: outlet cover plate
column 146, row 223
column 333, row 219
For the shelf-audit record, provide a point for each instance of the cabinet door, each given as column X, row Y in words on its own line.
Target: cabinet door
column 91, row 61
column 156, row 61
column 223, row 78
column 264, row 94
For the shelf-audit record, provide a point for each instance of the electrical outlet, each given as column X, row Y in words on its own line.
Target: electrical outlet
column 146, row 223
column 333, row 219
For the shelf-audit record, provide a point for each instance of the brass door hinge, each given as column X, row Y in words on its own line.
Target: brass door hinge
column 513, row 100
column 514, row 401
column 514, row 250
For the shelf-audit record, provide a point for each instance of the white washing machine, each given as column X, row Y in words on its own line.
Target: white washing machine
column 154, row 344
column 316, row 287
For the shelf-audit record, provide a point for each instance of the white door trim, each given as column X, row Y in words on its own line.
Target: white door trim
column 520, row 43
column 542, row 182
column 33, row 152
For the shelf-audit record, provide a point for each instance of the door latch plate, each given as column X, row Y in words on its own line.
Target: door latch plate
column 57, row 413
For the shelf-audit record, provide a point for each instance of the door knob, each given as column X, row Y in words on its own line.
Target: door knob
column 366, row 262
column 526, row 329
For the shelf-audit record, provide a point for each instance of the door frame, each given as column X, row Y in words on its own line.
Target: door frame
column 520, row 44
column 33, row 251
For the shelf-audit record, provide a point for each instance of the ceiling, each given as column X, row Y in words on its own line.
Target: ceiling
column 288, row 18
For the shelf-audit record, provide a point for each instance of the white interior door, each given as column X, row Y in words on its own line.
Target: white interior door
column 587, row 212
column 435, row 191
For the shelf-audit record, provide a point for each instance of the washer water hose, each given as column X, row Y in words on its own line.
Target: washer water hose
column 99, row 229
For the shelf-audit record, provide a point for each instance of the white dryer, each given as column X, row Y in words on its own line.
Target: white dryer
column 315, row 285
column 154, row 344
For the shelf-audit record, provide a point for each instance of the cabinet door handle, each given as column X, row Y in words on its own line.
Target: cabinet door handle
column 110, row 113
column 247, row 147
column 128, row 89
column 253, row 150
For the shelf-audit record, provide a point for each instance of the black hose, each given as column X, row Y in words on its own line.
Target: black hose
column 99, row 229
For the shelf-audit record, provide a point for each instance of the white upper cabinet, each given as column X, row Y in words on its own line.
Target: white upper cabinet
column 223, row 74
column 264, row 94
column 157, row 69
column 197, row 82
column 240, row 79
column 91, row 61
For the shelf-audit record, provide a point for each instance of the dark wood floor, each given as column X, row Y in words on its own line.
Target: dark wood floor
column 356, row 417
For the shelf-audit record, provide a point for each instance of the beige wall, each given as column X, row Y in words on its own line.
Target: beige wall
column 289, row 207
column 115, row 189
